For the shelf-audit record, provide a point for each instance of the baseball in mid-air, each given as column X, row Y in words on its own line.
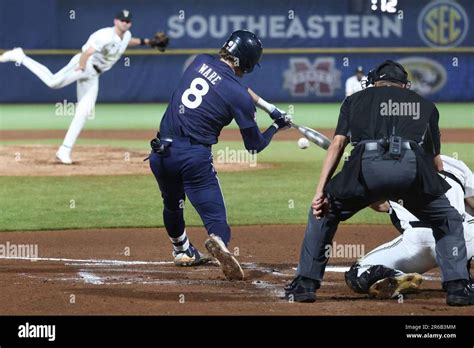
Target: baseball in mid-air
column 303, row 143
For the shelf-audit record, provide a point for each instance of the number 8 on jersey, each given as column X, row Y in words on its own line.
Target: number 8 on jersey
column 196, row 92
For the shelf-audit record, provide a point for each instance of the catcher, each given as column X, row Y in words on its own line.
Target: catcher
column 101, row 51
column 395, row 267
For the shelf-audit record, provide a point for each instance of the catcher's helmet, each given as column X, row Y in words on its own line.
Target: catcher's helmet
column 246, row 47
column 388, row 71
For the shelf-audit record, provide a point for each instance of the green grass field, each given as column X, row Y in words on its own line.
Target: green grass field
column 279, row 195
column 142, row 116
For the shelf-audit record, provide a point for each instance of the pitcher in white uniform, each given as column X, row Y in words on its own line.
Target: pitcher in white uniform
column 395, row 267
column 101, row 51
column 354, row 83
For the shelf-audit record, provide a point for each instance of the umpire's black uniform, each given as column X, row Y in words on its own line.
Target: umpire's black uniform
column 390, row 127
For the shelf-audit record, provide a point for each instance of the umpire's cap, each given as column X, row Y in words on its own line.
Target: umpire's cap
column 246, row 47
column 388, row 71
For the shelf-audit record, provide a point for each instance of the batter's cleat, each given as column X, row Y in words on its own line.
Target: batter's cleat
column 190, row 257
column 301, row 289
column 229, row 264
column 64, row 155
column 391, row 287
column 460, row 293
column 15, row 55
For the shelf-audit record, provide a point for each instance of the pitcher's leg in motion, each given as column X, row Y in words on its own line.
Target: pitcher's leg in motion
column 62, row 78
column 87, row 90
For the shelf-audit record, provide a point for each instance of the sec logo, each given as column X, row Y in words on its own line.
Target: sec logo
column 443, row 24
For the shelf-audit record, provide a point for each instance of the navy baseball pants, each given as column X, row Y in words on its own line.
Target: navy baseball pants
column 186, row 169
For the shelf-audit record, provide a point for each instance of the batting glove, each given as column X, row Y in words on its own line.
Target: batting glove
column 283, row 122
column 277, row 113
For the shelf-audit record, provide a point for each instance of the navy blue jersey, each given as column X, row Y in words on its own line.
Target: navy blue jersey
column 208, row 97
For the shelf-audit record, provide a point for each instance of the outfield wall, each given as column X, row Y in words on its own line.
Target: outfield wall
column 311, row 47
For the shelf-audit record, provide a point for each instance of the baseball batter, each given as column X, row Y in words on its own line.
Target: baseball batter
column 208, row 97
column 394, row 268
column 101, row 51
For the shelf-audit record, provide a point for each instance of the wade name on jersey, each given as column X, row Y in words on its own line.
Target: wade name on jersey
column 210, row 75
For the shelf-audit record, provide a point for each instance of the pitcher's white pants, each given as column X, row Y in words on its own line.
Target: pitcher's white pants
column 87, row 90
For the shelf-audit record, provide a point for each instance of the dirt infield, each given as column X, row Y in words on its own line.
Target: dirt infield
column 39, row 160
column 455, row 135
column 128, row 271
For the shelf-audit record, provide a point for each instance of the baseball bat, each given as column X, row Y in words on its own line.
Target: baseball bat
column 314, row 136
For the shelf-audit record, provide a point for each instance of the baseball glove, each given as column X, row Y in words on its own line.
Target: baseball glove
column 160, row 41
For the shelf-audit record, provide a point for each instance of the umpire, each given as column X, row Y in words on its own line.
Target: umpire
column 396, row 156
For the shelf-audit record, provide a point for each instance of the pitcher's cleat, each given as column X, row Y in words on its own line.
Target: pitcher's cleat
column 229, row 264
column 391, row 287
column 15, row 55
column 64, row 155
column 190, row 257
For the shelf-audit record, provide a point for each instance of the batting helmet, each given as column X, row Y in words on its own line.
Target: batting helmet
column 388, row 71
column 246, row 47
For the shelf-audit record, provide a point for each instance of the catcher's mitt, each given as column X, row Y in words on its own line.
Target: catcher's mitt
column 159, row 41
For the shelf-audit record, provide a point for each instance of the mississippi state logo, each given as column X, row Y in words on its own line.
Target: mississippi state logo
column 304, row 78
column 443, row 24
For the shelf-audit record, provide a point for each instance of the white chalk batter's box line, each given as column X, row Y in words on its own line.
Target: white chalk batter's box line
column 89, row 277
